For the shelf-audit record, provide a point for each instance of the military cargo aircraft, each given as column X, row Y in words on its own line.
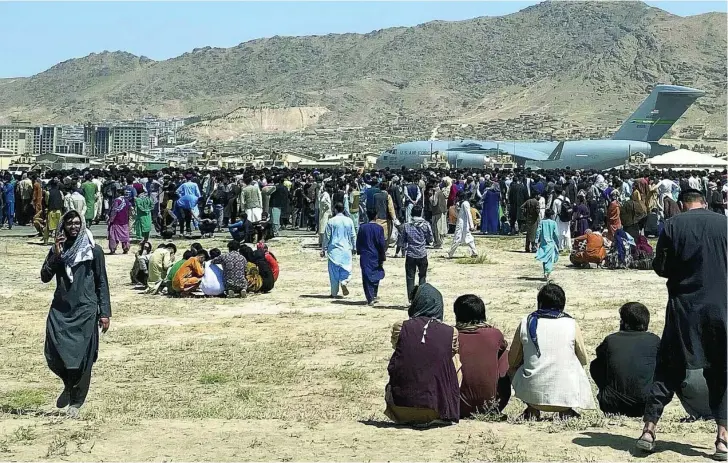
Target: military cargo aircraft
column 639, row 133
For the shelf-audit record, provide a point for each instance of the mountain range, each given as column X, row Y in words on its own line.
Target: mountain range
column 583, row 61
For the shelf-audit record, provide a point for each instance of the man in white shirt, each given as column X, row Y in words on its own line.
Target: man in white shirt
column 212, row 280
column 76, row 202
column 694, row 182
column 98, row 203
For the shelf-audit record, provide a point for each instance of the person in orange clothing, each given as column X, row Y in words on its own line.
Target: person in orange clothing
column 614, row 221
column 588, row 249
column 189, row 275
column 37, row 195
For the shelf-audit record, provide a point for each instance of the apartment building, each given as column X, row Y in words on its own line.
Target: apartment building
column 45, row 139
column 97, row 139
column 128, row 137
column 17, row 137
column 70, row 139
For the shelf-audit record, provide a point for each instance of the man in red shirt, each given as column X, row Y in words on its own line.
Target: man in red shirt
column 486, row 386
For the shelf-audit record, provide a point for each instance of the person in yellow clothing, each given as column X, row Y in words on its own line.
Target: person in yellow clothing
column 54, row 209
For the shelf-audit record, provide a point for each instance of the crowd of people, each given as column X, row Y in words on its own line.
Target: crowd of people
column 437, row 374
column 609, row 215
column 200, row 272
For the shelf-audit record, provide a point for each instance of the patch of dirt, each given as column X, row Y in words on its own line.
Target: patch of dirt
column 294, row 375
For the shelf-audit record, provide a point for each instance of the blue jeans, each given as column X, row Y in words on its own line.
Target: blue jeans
column 275, row 215
column 355, row 218
column 219, row 213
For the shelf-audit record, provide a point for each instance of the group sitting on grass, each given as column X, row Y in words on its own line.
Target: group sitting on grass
column 439, row 374
column 623, row 252
column 199, row 272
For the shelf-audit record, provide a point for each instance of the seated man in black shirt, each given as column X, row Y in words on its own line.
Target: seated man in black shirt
column 166, row 221
column 625, row 363
column 263, row 228
column 207, row 222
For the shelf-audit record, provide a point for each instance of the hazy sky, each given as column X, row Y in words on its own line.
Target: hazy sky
column 37, row 35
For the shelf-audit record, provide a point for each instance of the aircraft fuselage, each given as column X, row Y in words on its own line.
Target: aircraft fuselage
column 577, row 154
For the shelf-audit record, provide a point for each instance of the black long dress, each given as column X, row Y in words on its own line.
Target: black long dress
column 691, row 254
column 72, row 336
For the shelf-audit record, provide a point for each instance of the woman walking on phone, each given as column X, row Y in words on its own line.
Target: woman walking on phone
column 80, row 307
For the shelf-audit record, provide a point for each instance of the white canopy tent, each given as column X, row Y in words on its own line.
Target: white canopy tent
column 686, row 159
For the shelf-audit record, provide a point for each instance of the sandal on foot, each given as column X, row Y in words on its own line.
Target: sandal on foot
column 569, row 414
column 646, row 445
column 720, row 455
column 530, row 414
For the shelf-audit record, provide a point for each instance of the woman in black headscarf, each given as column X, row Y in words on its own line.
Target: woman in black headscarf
column 423, row 384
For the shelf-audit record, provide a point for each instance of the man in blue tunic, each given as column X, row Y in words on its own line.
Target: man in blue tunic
column 372, row 249
column 338, row 242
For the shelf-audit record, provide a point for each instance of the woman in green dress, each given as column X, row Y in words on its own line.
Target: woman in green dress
column 143, row 207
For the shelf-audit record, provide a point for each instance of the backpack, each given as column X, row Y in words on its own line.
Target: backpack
column 566, row 211
column 652, row 225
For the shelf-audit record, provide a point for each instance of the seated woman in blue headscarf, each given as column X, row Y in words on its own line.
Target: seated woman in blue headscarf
column 424, row 379
column 547, row 359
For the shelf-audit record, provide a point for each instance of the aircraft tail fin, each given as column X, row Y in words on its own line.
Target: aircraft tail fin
column 660, row 110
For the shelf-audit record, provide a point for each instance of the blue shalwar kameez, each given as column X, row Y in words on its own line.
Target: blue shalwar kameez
column 372, row 249
column 547, row 237
column 339, row 240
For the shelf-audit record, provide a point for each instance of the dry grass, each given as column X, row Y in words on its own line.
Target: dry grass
column 478, row 260
column 291, row 375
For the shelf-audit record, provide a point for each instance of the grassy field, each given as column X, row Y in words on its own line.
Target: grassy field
column 293, row 375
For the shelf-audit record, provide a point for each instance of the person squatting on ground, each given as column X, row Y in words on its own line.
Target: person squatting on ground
column 424, row 383
column 547, row 357
column 140, row 270
column 486, row 386
column 233, row 270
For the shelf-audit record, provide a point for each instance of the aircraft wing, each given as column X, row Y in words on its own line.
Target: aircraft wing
column 513, row 149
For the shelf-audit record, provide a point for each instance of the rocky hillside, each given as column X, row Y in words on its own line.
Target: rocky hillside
column 582, row 61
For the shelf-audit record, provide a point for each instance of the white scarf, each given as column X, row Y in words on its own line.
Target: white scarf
column 84, row 253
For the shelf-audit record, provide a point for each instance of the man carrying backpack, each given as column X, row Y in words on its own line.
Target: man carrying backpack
column 563, row 209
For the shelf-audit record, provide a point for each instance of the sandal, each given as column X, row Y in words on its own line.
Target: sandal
column 645, row 445
column 720, row 455
column 531, row 414
column 571, row 413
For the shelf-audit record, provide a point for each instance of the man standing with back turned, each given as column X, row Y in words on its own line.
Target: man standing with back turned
column 691, row 254
column 339, row 239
